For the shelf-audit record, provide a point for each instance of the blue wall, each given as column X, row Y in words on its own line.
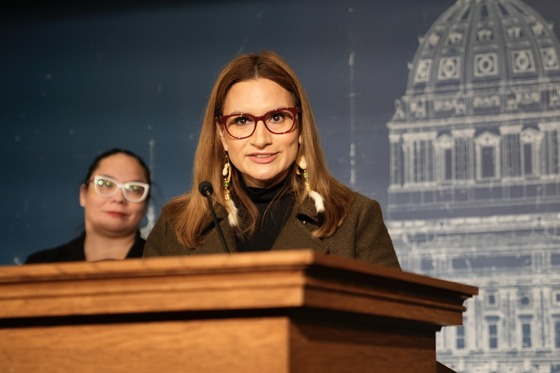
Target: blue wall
column 78, row 80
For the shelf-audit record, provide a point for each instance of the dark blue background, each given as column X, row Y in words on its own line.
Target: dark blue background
column 79, row 79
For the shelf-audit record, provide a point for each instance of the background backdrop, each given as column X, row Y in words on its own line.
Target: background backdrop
column 76, row 80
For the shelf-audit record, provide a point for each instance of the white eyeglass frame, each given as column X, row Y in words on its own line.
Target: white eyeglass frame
column 120, row 186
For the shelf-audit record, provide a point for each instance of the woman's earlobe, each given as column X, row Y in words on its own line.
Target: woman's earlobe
column 82, row 195
column 223, row 141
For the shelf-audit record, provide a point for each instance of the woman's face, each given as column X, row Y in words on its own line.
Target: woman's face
column 264, row 159
column 113, row 216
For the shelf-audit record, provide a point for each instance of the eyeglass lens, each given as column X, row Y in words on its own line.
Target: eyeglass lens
column 277, row 121
column 132, row 191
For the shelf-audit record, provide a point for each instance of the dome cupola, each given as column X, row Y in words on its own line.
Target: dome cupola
column 475, row 47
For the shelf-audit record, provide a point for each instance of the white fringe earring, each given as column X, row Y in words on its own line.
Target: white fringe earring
column 316, row 197
column 230, row 205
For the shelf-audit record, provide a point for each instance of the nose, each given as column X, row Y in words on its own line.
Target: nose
column 118, row 196
column 262, row 136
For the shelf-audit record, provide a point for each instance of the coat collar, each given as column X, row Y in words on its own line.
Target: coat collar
column 295, row 234
column 305, row 212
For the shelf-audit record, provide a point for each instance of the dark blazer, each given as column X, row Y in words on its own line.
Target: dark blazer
column 73, row 251
column 363, row 235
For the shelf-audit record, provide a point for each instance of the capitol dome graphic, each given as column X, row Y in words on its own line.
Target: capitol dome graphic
column 474, row 195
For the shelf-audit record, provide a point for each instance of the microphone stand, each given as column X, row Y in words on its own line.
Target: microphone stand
column 205, row 188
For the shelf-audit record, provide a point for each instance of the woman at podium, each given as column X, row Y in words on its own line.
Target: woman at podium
column 260, row 179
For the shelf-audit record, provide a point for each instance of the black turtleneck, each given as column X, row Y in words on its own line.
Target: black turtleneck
column 273, row 214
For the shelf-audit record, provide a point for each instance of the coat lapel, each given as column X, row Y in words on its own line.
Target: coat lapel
column 211, row 243
column 296, row 233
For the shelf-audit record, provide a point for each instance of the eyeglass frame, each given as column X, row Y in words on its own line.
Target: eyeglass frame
column 294, row 110
column 120, row 186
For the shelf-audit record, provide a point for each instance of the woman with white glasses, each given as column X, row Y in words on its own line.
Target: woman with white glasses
column 114, row 195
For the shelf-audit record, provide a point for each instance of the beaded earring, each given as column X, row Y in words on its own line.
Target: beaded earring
column 317, row 198
column 230, row 205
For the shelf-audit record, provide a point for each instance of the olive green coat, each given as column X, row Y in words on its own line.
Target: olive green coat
column 363, row 235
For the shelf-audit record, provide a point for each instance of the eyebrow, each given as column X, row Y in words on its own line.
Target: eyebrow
column 266, row 112
column 129, row 181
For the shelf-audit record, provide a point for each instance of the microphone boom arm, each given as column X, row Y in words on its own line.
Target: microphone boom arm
column 205, row 188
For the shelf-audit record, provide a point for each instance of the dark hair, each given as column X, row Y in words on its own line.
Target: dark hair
column 95, row 164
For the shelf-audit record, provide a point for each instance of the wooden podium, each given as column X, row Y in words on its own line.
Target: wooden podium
column 289, row 311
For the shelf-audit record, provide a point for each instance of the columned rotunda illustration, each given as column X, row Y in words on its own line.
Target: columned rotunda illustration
column 475, row 180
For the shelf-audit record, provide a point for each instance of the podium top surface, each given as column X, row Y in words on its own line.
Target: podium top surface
column 280, row 280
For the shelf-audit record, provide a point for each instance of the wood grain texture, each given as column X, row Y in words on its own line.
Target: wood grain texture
column 292, row 311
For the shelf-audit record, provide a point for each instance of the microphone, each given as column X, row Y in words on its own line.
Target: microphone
column 205, row 188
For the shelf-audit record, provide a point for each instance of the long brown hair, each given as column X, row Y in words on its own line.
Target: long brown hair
column 190, row 212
